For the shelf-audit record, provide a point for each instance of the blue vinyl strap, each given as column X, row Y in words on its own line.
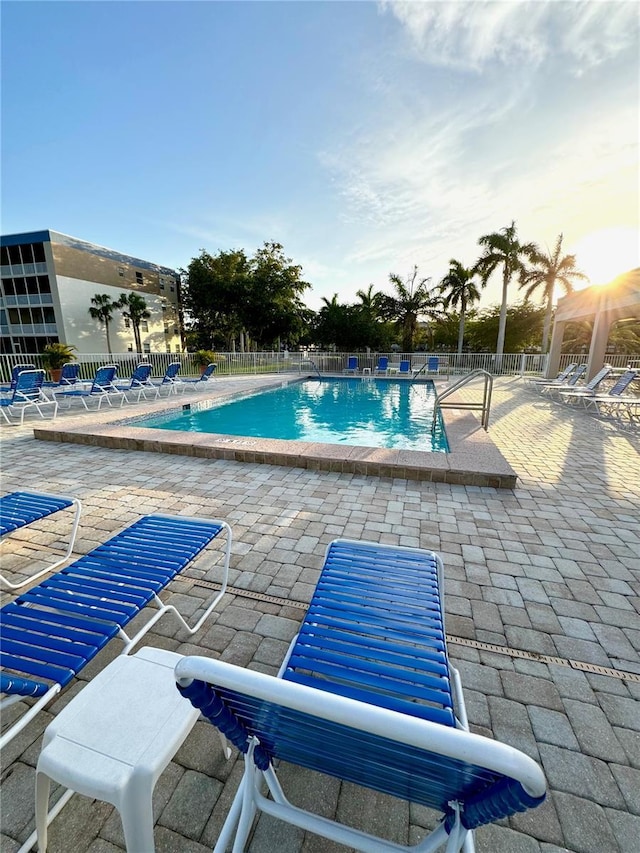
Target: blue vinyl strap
column 21, row 686
column 502, row 799
column 374, row 631
column 55, row 628
column 21, row 508
column 203, row 697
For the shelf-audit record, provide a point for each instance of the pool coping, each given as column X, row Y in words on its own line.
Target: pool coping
column 473, row 458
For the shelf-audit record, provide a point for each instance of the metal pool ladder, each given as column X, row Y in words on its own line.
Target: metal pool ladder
column 484, row 406
column 315, row 367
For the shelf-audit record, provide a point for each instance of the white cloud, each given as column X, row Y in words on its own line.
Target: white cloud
column 470, row 35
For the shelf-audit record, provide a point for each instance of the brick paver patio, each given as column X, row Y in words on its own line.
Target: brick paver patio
column 551, row 568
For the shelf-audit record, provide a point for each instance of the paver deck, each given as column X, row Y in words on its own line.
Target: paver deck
column 543, row 603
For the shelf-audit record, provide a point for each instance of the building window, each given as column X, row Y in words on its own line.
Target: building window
column 146, row 347
column 144, row 326
column 127, row 323
column 121, row 272
column 162, row 285
column 139, row 279
column 130, row 348
column 171, row 288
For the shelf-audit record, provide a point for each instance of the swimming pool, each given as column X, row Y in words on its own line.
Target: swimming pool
column 347, row 411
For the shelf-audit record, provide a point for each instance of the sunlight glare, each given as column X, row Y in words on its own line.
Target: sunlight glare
column 607, row 253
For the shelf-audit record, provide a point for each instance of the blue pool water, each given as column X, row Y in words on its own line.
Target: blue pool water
column 351, row 411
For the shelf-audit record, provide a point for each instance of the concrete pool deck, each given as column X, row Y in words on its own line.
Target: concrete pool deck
column 542, row 601
column 473, row 459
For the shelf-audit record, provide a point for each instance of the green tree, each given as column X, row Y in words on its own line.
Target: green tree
column 333, row 326
column 273, row 310
column 134, row 309
column 102, row 308
column 214, row 290
column 522, row 333
column 459, row 288
column 413, row 299
column 503, row 249
column 371, row 303
column 374, row 331
column 446, row 333
column 549, row 271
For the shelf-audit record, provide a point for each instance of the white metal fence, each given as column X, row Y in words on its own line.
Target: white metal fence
column 231, row 363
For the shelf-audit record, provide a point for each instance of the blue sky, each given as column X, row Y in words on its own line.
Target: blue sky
column 365, row 137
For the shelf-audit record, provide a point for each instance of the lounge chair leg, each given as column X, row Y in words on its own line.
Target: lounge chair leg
column 231, row 821
column 249, row 808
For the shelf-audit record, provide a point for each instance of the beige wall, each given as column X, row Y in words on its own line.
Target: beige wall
column 88, row 335
column 74, row 263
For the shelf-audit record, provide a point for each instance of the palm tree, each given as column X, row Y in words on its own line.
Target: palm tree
column 412, row 300
column 134, row 309
column 458, row 288
column 102, row 308
column 549, row 271
column 503, row 249
column 370, row 302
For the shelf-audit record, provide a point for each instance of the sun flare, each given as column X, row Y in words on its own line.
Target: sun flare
column 607, row 253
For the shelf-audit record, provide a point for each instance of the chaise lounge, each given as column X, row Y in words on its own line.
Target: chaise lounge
column 367, row 694
column 52, row 631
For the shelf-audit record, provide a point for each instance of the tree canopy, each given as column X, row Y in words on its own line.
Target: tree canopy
column 413, row 298
column 549, row 271
column 503, row 249
column 459, row 288
column 101, row 309
column 231, row 298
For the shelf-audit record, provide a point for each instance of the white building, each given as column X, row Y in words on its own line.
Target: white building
column 48, row 280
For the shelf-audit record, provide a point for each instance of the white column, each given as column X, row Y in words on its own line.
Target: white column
column 599, row 339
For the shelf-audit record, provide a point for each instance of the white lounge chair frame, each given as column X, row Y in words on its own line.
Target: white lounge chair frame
column 73, row 503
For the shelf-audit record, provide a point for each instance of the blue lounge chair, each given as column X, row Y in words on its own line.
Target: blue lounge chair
column 140, row 383
column 52, row 631
column 405, row 367
column 549, row 388
column 572, row 395
column 27, row 395
column 352, row 364
column 170, row 380
column 21, row 508
column 606, row 404
column 205, row 376
column 68, row 377
column 17, row 368
column 102, row 388
column 560, row 379
column 382, row 366
column 366, row 695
